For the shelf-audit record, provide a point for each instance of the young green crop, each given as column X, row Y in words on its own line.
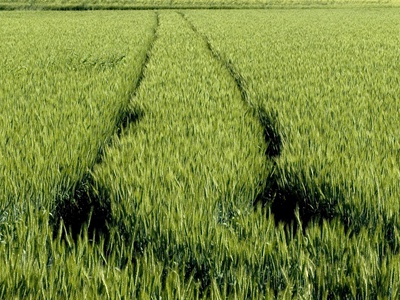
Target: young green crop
column 181, row 176
column 329, row 78
column 181, row 180
column 340, row 151
column 65, row 79
column 194, row 221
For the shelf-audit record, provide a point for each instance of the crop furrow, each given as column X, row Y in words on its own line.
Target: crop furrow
column 273, row 138
column 283, row 201
column 86, row 203
column 335, row 157
column 130, row 114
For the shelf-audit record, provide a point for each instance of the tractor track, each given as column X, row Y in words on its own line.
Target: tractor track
column 86, row 203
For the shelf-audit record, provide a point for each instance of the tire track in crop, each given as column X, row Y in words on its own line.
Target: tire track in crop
column 128, row 114
column 272, row 136
column 283, row 199
column 286, row 189
column 283, row 203
column 85, row 203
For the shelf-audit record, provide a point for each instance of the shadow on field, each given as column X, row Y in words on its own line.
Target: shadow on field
column 285, row 199
column 88, row 204
column 128, row 117
column 85, row 207
column 286, row 193
column 296, row 201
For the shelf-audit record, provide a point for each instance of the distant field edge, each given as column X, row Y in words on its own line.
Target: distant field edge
column 33, row 5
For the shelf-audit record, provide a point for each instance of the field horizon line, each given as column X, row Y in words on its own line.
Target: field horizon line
column 93, row 7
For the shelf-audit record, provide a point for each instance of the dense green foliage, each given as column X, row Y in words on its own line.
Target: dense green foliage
column 329, row 81
column 184, row 137
column 66, row 78
column 331, row 78
column 180, row 178
column 64, row 84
